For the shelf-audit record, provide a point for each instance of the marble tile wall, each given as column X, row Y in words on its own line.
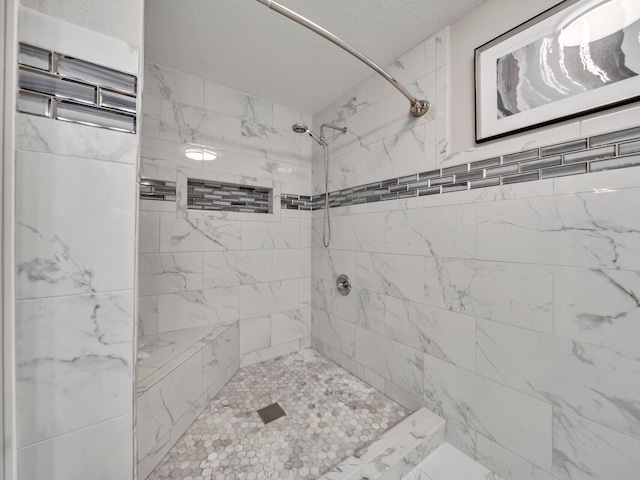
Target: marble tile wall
column 511, row 310
column 200, row 268
column 75, row 277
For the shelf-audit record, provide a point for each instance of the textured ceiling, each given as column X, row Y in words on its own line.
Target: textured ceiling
column 245, row 45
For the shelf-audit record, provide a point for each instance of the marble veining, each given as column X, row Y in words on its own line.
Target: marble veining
column 330, row 415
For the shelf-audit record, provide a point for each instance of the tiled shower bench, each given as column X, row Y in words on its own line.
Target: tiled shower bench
column 178, row 374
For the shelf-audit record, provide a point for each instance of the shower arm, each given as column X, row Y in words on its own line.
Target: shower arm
column 418, row 107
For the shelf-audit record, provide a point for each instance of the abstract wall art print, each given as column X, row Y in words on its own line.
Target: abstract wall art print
column 578, row 57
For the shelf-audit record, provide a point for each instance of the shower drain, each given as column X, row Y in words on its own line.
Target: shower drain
column 271, row 412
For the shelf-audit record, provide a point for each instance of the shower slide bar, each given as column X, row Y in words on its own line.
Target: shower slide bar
column 418, row 107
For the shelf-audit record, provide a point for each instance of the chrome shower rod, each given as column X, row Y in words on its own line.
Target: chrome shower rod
column 418, row 107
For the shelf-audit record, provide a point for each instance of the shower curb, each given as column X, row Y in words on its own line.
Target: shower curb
column 397, row 452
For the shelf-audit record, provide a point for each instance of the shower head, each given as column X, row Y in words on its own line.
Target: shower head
column 302, row 128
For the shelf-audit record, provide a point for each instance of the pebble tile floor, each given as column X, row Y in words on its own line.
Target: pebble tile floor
column 330, row 415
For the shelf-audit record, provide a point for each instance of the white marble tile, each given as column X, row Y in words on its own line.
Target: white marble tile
column 62, row 247
column 462, row 437
column 358, row 232
column 329, row 263
column 266, row 235
column 447, row 462
column 610, row 122
column 148, row 232
column 584, row 230
column 169, row 273
column 408, row 400
column 240, row 267
column 149, row 118
column 147, row 463
column 592, row 381
column 291, row 325
column 500, row 413
column 218, row 355
column 336, row 304
column 442, row 231
column 267, row 298
column 197, row 308
column 160, row 157
column 371, row 310
column 197, row 235
column 398, row 116
column 87, row 44
column 598, row 306
column 160, row 350
column 586, row 450
column 267, row 142
column 147, row 315
column 396, row 362
column 255, row 334
column 291, row 263
column 38, row 134
column 284, row 117
column 74, row 363
column 173, row 85
column 399, row 276
column 598, row 181
column 104, row 451
column 167, row 400
column 188, row 124
column 366, row 126
column 268, row 353
column 507, row 464
column 335, row 332
column 449, row 336
column 223, row 100
column 513, row 293
column 258, row 111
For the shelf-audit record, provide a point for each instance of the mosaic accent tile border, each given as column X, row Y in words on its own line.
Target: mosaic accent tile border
column 160, row 190
column 227, row 197
column 61, row 87
column 610, row 151
column 296, row 202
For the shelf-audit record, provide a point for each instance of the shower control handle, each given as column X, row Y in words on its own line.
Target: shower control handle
column 344, row 284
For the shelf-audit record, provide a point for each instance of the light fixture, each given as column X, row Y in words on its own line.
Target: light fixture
column 200, row 153
column 285, row 169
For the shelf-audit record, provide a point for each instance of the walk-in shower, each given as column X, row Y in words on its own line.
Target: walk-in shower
column 302, row 128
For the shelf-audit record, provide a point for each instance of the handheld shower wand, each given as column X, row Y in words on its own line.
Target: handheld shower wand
column 302, row 128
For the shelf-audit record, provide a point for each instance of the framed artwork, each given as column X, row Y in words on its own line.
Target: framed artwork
column 578, row 57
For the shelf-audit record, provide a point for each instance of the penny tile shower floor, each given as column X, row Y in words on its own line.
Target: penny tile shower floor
column 330, row 414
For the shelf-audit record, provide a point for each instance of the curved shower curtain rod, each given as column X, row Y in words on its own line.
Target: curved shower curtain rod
column 418, row 107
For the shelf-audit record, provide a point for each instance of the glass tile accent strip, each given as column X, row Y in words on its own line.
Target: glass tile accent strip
column 60, row 87
column 159, row 190
column 227, row 197
column 624, row 152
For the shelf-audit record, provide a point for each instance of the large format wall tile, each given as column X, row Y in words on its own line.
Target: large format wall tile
column 503, row 415
column 586, row 230
column 442, row 231
column 598, row 306
column 591, row 381
column 266, row 298
column 197, row 235
column 399, row 276
column 169, row 273
column 102, row 451
column 64, row 247
column 72, row 354
column 446, row 335
column 398, row 363
column 513, row 293
column 586, row 450
column 197, row 308
column 244, row 267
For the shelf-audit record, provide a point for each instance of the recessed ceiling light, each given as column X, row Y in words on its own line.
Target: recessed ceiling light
column 199, row 153
column 285, row 169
